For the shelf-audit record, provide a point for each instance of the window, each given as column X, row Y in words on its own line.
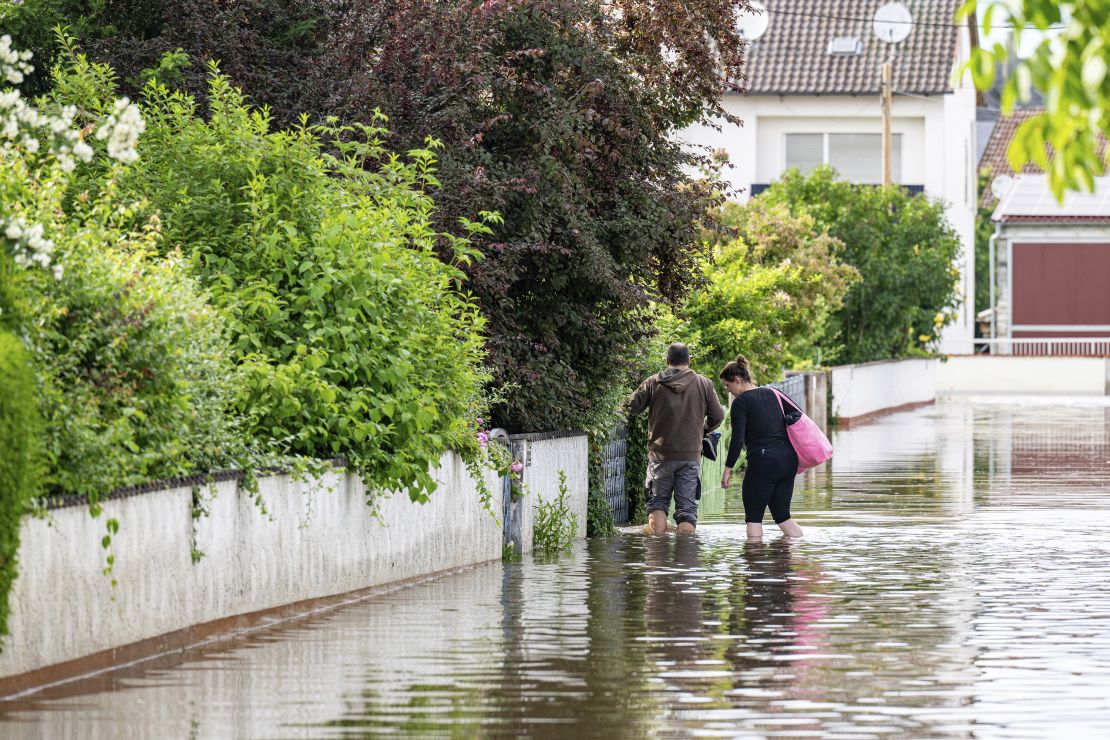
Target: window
column 804, row 151
column 857, row 157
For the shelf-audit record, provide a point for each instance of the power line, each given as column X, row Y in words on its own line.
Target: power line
column 935, row 24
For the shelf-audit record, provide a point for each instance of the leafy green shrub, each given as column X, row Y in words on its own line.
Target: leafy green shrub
column 20, row 432
column 555, row 525
column 904, row 249
column 349, row 334
column 136, row 380
column 760, row 304
column 130, row 358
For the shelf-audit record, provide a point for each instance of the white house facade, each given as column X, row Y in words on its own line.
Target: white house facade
column 806, row 107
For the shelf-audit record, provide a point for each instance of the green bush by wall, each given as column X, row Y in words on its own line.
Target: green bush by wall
column 346, row 333
column 19, row 462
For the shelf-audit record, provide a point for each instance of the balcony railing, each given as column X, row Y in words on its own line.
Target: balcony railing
column 1045, row 346
column 759, row 187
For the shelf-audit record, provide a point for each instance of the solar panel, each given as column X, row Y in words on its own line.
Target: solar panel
column 1030, row 196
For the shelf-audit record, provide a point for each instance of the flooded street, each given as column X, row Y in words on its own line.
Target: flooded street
column 954, row 582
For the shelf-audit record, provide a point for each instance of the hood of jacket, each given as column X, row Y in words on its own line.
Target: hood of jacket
column 676, row 379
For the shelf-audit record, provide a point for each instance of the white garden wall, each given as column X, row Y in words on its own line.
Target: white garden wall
column 319, row 540
column 860, row 392
column 1017, row 375
column 544, row 457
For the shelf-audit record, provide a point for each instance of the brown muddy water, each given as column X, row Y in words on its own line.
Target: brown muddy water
column 954, row 582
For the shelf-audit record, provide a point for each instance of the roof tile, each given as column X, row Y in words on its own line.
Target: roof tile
column 791, row 58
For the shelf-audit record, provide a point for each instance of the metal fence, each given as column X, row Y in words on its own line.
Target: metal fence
column 1045, row 346
column 615, row 464
column 794, row 388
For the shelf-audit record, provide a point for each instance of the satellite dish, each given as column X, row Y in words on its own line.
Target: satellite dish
column 893, row 23
column 1001, row 185
column 753, row 25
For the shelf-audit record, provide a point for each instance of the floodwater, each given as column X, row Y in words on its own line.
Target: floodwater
column 954, row 582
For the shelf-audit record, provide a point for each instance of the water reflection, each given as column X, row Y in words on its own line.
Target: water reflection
column 953, row 583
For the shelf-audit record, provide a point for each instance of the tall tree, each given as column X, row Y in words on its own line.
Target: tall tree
column 904, row 249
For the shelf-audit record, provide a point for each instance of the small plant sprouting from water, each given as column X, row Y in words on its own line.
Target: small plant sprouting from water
column 556, row 525
column 509, row 553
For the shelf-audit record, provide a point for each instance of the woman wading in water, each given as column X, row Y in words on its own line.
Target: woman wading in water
column 759, row 424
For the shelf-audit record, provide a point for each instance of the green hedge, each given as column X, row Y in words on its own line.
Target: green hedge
column 345, row 331
column 19, row 463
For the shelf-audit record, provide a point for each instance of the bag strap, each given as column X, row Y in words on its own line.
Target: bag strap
column 782, row 396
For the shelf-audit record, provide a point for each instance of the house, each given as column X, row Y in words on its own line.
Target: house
column 1052, row 268
column 805, row 107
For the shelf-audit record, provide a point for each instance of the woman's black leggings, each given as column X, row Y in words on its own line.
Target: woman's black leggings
column 769, row 480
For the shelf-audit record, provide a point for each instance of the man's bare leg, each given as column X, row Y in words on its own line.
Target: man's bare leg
column 686, row 528
column 657, row 520
column 755, row 532
column 791, row 529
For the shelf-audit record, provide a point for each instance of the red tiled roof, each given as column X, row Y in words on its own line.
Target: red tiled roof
column 994, row 156
column 791, row 58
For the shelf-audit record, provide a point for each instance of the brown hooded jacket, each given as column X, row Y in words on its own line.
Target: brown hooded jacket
column 683, row 409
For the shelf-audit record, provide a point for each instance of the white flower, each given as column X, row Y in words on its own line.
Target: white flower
column 122, row 129
column 82, row 151
column 58, row 272
column 28, row 245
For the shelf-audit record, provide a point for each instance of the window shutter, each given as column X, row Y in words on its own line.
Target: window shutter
column 804, row 151
column 859, row 157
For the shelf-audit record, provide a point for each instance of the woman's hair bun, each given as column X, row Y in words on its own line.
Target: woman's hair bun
column 741, row 360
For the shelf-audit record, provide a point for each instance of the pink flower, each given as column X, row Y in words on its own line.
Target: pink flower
column 516, row 467
column 479, row 420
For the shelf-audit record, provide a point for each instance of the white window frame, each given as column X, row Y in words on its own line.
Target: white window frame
column 825, row 145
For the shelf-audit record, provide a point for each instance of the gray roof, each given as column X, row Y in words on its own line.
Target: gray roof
column 791, row 58
column 1030, row 200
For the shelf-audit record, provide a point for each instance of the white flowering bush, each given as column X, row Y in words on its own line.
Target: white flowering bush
column 38, row 148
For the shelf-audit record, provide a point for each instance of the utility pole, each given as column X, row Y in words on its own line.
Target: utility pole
column 887, row 93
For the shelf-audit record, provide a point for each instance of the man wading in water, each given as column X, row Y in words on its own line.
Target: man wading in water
column 683, row 408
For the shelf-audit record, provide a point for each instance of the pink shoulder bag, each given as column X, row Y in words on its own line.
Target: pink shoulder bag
column 806, row 437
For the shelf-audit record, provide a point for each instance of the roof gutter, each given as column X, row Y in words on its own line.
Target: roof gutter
column 990, row 259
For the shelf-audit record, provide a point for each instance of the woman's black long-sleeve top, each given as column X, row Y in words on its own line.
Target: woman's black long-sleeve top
column 757, row 421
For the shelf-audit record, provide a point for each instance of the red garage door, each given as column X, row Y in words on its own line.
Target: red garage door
column 1061, row 290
